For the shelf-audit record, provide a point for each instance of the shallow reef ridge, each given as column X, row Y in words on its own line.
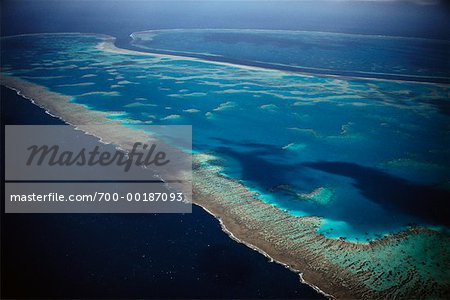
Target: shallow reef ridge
column 392, row 267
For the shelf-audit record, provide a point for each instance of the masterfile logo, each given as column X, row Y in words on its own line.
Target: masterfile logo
column 98, row 168
column 140, row 155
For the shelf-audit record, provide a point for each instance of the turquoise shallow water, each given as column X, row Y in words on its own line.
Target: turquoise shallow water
column 369, row 156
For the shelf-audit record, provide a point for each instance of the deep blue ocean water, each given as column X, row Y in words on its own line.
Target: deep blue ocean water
column 129, row 255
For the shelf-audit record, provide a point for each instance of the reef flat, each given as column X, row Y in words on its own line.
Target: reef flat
column 222, row 45
column 277, row 197
column 116, row 133
column 394, row 267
